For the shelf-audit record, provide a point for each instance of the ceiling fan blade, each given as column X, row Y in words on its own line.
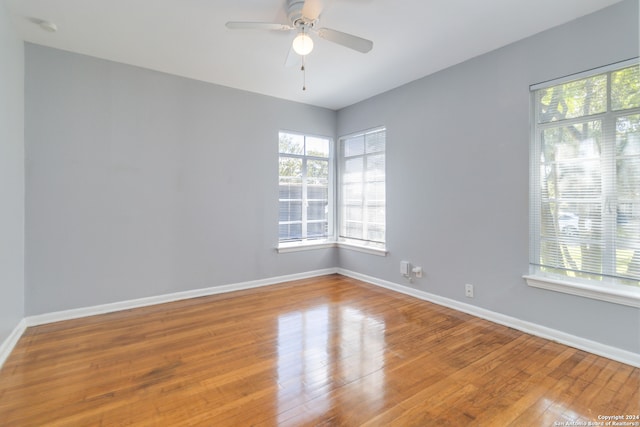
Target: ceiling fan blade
column 312, row 9
column 346, row 40
column 238, row 25
column 292, row 58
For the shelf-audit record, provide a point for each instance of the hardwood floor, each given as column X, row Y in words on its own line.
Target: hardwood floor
column 324, row 351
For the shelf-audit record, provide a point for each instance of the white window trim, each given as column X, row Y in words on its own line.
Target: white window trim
column 332, row 241
column 609, row 289
column 307, row 244
column 365, row 247
column 376, row 248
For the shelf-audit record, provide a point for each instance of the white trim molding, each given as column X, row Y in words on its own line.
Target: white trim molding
column 75, row 313
column 594, row 347
column 600, row 349
column 618, row 294
column 367, row 249
column 307, row 245
column 7, row 346
column 284, row 248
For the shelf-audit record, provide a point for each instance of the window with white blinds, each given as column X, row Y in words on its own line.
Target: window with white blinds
column 585, row 176
column 362, row 188
column 305, row 194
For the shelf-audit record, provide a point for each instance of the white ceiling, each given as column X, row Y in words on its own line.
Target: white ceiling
column 412, row 38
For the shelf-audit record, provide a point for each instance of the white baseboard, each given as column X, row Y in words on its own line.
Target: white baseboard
column 610, row 352
column 75, row 313
column 8, row 344
column 594, row 347
column 6, row 347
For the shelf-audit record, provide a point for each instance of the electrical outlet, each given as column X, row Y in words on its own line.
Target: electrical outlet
column 417, row 271
column 468, row 290
column 405, row 268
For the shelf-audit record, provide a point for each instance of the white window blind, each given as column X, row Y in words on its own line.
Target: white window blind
column 585, row 176
column 362, row 188
column 304, row 187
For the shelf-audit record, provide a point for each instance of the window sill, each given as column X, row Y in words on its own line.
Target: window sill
column 603, row 291
column 284, row 248
column 372, row 250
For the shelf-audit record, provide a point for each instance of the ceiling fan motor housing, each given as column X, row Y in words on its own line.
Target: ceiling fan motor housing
column 296, row 17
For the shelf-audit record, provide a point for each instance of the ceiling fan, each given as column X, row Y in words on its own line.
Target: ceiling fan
column 304, row 16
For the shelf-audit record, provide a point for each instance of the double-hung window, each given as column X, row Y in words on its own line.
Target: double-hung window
column 305, row 188
column 585, row 183
column 362, row 200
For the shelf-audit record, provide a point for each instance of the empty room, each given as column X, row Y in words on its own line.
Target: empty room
column 319, row 212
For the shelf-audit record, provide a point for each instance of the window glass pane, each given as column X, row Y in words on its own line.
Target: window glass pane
column 317, row 229
column 628, row 178
column 290, row 210
column 352, row 192
column 376, row 213
column 290, row 231
column 375, row 142
column 318, row 147
column 362, row 166
column 625, row 88
column 353, row 230
column 628, row 192
column 291, row 143
column 585, row 216
column 317, row 192
column 571, row 160
column 572, row 259
column 290, row 170
column 375, row 191
column 579, row 141
column 317, row 210
column 574, row 99
column 304, row 183
column 628, row 135
column 375, row 233
column 353, row 170
column 317, row 171
column 571, row 208
column 290, row 191
column 375, row 167
column 353, row 212
column 354, row 146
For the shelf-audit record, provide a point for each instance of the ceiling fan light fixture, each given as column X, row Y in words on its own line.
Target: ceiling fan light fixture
column 302, row 44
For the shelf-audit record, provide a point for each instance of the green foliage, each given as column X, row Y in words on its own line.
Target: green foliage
column 291, row 144
column 574, row 99
column 292, row 168
column 625, row 88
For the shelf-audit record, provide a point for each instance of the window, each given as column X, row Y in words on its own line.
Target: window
column 362, row 188
column 585, row 178
column 305, row 192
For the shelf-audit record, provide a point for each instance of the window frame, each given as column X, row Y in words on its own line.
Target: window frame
column 306, row 242
column 606, row 287
column 364, row 245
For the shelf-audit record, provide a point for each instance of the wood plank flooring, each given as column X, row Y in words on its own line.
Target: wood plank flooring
column 323, row 351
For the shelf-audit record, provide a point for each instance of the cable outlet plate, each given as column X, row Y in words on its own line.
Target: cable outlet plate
column 468, row 290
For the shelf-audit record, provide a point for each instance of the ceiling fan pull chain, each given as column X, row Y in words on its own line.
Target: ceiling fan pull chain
column 304, row 75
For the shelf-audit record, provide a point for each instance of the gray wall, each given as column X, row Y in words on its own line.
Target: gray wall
column 140, row 183
column 11, row 177
column 457, row 175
